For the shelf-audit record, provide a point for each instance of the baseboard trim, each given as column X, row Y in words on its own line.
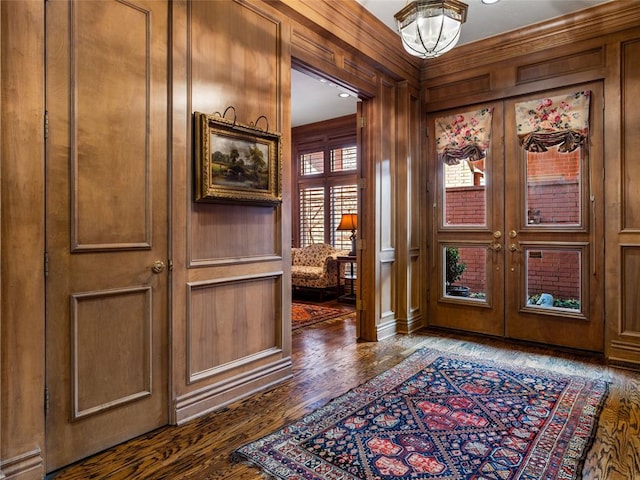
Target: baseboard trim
column 215, row 396
column 387, row 329
column 29, row 465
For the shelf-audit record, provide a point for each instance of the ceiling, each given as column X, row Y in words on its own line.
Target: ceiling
column 314, row 101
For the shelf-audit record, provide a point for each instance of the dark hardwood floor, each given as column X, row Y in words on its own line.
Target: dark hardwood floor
column 327, row 362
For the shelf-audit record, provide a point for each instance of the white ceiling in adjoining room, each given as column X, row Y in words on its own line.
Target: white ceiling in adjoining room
column 314, row 99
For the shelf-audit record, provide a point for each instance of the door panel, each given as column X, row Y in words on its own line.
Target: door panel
column 106, row 201
column 467, row 221
column 528, row 230
column 554, row 220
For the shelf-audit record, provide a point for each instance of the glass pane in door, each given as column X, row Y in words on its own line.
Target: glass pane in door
column 553, row 188
column 553, row 278
column 464, row 201
column 465, row 271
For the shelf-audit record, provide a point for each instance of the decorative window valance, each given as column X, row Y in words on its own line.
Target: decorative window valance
column 546, row 122
column 463, row 136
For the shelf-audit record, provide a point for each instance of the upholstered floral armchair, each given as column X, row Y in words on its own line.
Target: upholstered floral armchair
column 315, row 267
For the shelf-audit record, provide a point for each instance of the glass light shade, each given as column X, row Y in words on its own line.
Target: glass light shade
column 430, row 28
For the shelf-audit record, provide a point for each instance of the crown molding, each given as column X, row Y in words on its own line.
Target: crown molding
column 357, row 30
column 603, row 19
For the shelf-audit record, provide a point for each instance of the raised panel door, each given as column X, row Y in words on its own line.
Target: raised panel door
column 106, row 225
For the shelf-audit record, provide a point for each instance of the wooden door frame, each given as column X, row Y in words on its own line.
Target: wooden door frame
column 365, row 98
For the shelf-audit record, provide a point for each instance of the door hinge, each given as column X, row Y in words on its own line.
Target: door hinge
column 359, row 305
column 46, row 400
column 46, row 125
column 362, row 122
column 46, row 264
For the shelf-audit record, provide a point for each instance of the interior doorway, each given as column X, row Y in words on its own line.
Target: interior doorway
column 326, row 152
column 517, row 233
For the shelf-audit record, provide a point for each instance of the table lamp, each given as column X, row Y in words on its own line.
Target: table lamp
column 349, row 221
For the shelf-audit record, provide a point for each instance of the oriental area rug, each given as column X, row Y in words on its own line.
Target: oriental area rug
column 441, row 416
column 303, row 314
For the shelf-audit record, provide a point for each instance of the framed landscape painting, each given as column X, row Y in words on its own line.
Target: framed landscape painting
column 235, row 163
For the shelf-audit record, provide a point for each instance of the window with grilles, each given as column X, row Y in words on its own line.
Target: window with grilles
column 344, row 159
column 326, row 177
column 312, row 163
column 344, row 199
column 311, row 215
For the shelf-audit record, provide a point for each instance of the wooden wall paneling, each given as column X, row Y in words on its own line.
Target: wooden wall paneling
column 367, row 210
column 410, row 199
column 622, row 339
column 233, row 234
column 554, row 35
column 317, row 54
column 630, row 324
column 2, row 42
column 403, row 205
column 245, row 74
column 630, row 78
column 181, row 196
column 22, row 234
column 236, row 345
column 467, row 86
column 388, row 214
column 226, row 343
column 355, row 30
column 562, row 65
column 537, row 71
column 231, row 321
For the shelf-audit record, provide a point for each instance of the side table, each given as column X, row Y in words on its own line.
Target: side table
column 349, row 276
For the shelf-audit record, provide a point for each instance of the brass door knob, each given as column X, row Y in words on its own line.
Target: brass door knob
column 158, row 266
column 496, row 247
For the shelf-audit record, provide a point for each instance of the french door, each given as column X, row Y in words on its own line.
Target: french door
column 517, row 236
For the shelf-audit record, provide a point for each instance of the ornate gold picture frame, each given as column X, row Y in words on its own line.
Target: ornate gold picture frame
column 236, row 163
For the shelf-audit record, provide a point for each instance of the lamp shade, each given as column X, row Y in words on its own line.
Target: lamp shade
column 430, row 28
column 349, row 221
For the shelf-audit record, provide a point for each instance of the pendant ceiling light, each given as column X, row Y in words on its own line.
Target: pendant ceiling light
column 430, row 28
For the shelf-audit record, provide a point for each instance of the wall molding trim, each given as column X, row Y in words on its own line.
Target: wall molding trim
column 604, row 19
column 213, row 397
column 26, row 464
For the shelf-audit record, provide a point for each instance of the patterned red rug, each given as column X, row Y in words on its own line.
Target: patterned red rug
column 442, row 416
column 303, row 314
